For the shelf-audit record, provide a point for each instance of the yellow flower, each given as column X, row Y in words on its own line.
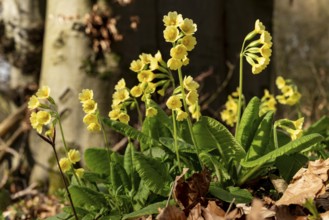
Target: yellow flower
column 34, row 122
column 196, row 115
column 79, row 172
column 121, row 84
column 89, row 106
column 265, row 50
column 65, row 164
column 124, row 118
column 43, row 117
column 85, row 95
column 158, row 56
column 149, row 88
column 136, row 91
column 43, row 92
column 174, row 64
column 294, row 134
column 280, row 82
column 299, row 123
column 174, row 102
column 190, row 84
column 287, row 90
column 181, row 115
column 259, row 27
column 93, row 127
column 188, row 27
column 178, row 52
column 74, row 156
column 145, row 58
column 150, row 112
column 114, row 114
column 136, row 65
column 192, row 97
column 172, row 19
column 33, row 102
column 266, row 38
column 293, row 99
column 268, row 103
column 120, row 96
column 145, row 76
column 171, row 34
column 229, row 114
column 185, row 61
column 50, row 132
column 189, row 42
column 154, row 65
column 90, row 118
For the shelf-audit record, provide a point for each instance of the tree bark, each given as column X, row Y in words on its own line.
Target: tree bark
column 64, row 51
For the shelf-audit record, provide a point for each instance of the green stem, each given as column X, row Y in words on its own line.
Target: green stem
column 175, row 141
column 275, row 136
column 189, row 123
column 240, row 87
column 139, row 112
column 62, row 132
column 248, row 175
column 65, row 183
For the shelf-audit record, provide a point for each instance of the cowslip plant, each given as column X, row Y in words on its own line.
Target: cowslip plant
column 137, row 183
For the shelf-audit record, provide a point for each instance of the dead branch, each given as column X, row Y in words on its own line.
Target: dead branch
column 12, row 119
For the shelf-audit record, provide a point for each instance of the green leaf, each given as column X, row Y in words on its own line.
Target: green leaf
column 320, row 126
column 141, row 196
column 131, row 132
column 162, row 117
column 211, row 134
column 153, row 172
column 213, row 163
column 129, row 165
column 182, row 145
column 97, row 160
column 85, row 197
column 288, row 165
column 290, row 148
column 148, row 210
column 119, row 177
column 234, row 193
column 248, row 123
column 261, row 140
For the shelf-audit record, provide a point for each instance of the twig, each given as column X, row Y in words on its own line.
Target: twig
column 11, row 120
column 28, row 191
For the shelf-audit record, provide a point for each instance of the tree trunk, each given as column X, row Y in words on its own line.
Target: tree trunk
column 64, row 51
column 21, row 40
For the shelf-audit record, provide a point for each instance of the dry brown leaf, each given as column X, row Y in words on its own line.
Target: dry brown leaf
column 258, row 211
column 213, row 212
column 307, row 183
column 171, row 213
column 195, row 213
column 306, row 187
column 188, row 193
column 325, row 215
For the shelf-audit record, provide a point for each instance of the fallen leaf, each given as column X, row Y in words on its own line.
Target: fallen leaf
column 213, row 212
column 307, row 183
column 195, row 213
column 188, row 193
column 171, row 213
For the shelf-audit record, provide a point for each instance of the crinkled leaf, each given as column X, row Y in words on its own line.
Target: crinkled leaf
column 153, row 172
column 182, row 145
column 211, row 134
column 234, row 193
column 320, row 126
column 290, row 148
column 86, row 197
column 261, row 140
column 131, row 132
column 97, row 160
column 248, row 123
column 119, row 177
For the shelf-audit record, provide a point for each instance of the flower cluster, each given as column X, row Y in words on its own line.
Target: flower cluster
column 149, row 68
column 229, row 114
column 258, row 52
column 42, row 104
column 268, row 103
column 66, row 163
column 179, row 32
column 293, row 128
column 290, row 95
column 174, row 102
column 89, row 106
column 120, row 100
